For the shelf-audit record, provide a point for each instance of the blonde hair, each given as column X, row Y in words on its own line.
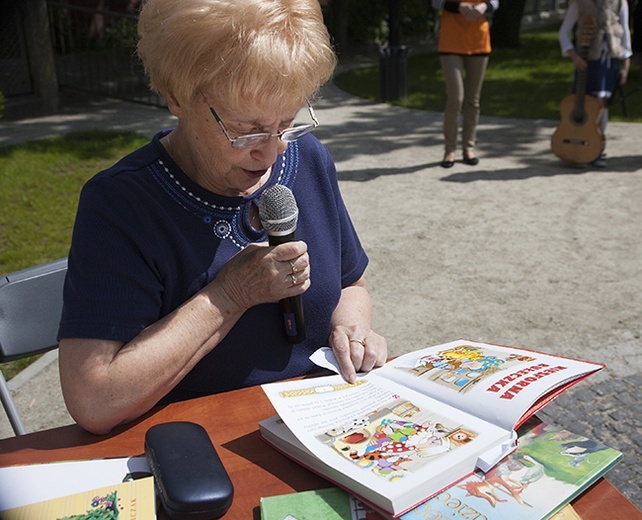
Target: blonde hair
column 261, row 53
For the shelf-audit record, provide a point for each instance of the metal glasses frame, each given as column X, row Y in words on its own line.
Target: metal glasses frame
column 250, row 140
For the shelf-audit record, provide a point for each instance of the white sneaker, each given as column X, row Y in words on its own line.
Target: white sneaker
column 600, row 162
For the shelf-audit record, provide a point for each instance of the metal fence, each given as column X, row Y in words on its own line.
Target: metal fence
column 14, row 67
column 95, row 51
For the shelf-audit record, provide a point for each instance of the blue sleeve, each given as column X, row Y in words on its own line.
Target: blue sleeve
column 324, row 219
column 111, row 292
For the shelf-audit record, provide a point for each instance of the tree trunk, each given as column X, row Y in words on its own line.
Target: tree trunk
column 507, row 23
column 41, row 56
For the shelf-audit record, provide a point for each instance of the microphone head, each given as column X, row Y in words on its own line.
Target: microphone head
column 278, row 210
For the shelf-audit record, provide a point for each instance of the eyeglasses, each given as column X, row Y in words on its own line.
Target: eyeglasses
column 251, row 140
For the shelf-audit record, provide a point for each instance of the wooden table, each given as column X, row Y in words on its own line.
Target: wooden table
column 255, row 468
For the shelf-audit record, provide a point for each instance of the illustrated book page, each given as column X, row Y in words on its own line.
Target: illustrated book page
column 502, row 385
column 385, row 443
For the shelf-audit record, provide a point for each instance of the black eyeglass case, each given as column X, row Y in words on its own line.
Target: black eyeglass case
column 190, row 478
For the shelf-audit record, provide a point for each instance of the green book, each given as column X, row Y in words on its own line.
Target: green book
column 320, row 504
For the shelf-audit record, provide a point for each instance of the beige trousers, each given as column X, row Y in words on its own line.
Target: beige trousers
column 463, row 92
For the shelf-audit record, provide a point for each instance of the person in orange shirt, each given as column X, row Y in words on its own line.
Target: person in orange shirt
column 464, row 45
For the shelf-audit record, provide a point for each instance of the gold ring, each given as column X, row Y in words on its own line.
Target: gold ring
column 293, row 278
column 293, row 267
column 361, row 342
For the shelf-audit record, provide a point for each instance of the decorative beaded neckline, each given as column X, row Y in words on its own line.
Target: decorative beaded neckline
column 191, row 195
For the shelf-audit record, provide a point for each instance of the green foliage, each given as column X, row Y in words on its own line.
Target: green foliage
column 369, row 20
column 79, row 31
column 39, row 186
column 122, row 33
column 527, row 82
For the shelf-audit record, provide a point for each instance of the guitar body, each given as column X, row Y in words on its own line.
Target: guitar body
column 578, row 138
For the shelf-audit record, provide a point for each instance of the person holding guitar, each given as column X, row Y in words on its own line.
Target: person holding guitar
column 602, row 60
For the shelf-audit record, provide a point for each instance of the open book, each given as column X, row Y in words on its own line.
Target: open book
column 404, row 432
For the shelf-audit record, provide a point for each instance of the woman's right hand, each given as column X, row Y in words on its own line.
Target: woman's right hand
column 578, row 61
column 261, row 273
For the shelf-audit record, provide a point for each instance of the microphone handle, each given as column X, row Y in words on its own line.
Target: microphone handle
column 292, row 311
column 292, row 307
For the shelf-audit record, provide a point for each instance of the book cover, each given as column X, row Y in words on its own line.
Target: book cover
column 133, row 500
column 319, row 504
column 337, row 504
column 548, row 470
column 402, row 433
column 30, row 483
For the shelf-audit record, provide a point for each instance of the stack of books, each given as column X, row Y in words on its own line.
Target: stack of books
column 436, row 432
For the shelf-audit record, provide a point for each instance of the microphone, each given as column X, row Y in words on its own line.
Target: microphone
column 279, row 213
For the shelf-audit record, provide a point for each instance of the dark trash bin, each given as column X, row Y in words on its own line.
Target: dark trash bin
column 392, row 66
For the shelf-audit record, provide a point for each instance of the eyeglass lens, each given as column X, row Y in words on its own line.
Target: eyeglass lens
column 288, row 135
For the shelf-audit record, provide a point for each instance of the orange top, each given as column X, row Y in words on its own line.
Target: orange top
column 460, row 36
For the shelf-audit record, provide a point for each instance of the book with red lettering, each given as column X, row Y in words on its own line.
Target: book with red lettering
column 425, row 420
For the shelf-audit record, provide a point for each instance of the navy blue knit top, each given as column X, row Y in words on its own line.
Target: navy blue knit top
column 147, row 238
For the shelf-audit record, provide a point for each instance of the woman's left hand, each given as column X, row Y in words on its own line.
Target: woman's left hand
column 356, row 346
column 472, row 12
column 357, row 349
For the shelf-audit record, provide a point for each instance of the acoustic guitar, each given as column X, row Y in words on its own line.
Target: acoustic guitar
column 578, row 138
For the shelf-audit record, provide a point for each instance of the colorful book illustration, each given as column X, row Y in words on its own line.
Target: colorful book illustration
column 549, row 469
column 133, row 500
column 403, row 433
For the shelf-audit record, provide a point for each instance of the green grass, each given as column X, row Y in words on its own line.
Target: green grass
column 527, row 82
column 39, row 186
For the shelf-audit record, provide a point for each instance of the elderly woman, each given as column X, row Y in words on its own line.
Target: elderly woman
column 172, row 291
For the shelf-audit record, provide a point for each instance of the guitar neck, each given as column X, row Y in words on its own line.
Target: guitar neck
column 580, row 87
